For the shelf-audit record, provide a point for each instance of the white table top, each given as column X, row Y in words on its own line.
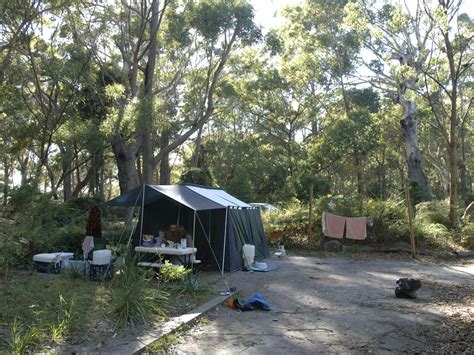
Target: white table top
column 166, row 250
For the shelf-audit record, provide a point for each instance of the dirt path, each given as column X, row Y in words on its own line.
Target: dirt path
column 341, row 305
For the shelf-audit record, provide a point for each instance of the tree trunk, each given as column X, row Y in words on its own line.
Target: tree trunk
column 147, row 141
column 409, row 127
column 360, row 187
column 463, row 187
column 6, row 180
column 125, row 157
column 195, row 160
column 453, row 196
column 100, row 183
column 67, row 182
column 24, row 169
column 165, row 174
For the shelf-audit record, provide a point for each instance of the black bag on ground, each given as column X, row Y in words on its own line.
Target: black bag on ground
column 407, row 287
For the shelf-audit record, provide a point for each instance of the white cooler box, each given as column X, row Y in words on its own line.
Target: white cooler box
column 51, row 263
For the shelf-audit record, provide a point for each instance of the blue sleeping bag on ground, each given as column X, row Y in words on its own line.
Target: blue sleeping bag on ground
column 257, row 301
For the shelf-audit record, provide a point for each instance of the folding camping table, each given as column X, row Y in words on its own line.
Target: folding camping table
column 183, row 255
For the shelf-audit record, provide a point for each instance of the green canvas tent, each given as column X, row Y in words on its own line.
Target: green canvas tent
column 219, row 223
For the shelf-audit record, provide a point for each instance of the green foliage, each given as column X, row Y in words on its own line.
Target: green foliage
column 198, row 176
column 171, row 272
column 432, row 212
column 214, row 17
column 45, row 309
column 61, row 329
column 241, row 185
column 292, row 220
column 23, row 339
column 466, row 236
column 134, row 299
column 389, row 218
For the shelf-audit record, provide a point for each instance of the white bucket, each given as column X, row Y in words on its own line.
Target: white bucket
column 101, row 257
column 249, row 253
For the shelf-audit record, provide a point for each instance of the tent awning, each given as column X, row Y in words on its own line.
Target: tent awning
column 195, row 197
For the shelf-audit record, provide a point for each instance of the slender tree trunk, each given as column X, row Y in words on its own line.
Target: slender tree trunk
column 100, row 183
column 360, row 186
column 24, row 169
column 67, row 182
column 463, row 187
column 6, row 180
column 453, row 180
column 147, row 141
column 165, row 174
column 195, row 160
column 409, row 127
column 453, row 121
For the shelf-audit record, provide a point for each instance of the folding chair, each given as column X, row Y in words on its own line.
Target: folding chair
column 275, row 238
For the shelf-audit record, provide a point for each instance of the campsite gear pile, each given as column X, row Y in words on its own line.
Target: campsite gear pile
column 407, row 287
column 257, row 301
column 96, row 262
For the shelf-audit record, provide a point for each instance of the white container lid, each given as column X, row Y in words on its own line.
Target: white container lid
column 47, row 257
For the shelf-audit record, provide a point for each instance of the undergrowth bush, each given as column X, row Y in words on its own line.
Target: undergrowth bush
column 171, row 272
column 389, row 218
column 22, row 338
column 134, row 297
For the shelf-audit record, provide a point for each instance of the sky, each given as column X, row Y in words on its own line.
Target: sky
column 267, row 12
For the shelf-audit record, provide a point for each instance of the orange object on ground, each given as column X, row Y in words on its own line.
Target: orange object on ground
column 230, row 303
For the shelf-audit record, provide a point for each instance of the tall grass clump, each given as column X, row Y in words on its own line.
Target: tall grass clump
column 23, row 339
column 60, row 329
column 135, row 296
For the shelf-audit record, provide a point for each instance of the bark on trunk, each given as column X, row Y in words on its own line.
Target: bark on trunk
column 24, row 170
column 6, row 180
column 147, row 141
column 453, row 196
column 360, row 187
column 125, row 157
column 195, row 160
column 409, row 127
column 463, row 187
column 165, row 174
column 67, row 182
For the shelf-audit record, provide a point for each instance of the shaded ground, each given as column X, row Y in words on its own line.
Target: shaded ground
column 342, row 305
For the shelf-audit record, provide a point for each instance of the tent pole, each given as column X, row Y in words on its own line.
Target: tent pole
column 141, row 219
column 179, row 215
column 225, row 238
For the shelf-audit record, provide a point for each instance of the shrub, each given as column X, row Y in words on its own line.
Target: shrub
column 432, row 212
column 390, row 221
column 172, row 272
column 134, row 297
column 22, row 339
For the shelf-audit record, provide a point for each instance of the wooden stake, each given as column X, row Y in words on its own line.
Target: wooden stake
column 310, row 219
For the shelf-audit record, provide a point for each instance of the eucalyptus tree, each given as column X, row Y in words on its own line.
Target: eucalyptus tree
column 448, row 72
column 192, row 42
column 398, row 43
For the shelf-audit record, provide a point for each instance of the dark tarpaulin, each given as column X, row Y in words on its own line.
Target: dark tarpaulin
column 179, row 193
column 245, row 228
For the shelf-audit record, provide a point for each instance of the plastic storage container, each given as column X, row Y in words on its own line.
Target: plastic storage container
column 249, row 253
column 101, row 257
column 51, row 263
